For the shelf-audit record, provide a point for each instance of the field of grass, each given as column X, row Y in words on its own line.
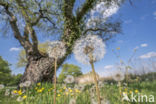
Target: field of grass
column 83, row 94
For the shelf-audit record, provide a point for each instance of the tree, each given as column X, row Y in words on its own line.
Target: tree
column 5, row 72
column 69, row 69
column 29, row 18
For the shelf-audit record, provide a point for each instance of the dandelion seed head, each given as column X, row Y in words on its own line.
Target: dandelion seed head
column 69, row 79
column 118, row 76
column 27, row 84
column 1, row 86
column 89, row 45
column 56, row 49
column 19, row 99
column 7, row 92
column 72, row 101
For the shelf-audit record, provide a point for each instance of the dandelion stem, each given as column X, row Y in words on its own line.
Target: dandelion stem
column 55, row 81
column 96, row 82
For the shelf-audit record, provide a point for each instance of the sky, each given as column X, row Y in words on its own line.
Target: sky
column 138, row 31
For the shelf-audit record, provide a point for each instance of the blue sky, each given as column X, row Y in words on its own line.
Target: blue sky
column 139, row 27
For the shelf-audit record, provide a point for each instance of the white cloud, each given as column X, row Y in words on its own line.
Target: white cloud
column 14, row 49
column 148, row 55
column 154, row 13
column 144, row 45
column 108, row 66
column 127, row 21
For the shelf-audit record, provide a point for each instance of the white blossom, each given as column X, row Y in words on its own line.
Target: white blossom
column 56, row 49
column 19, row 99
column 90, row 44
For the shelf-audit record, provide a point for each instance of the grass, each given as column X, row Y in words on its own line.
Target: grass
column 43, row 94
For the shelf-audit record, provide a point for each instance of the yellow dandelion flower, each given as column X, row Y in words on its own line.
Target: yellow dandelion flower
column 39, row 84
column 58, row 95
column 20, row 92
column 130, row 92
column 24, row 97
column 70, row 90
column 66, row 93
column 125, row 89
column 15, row 91
column 64, row 88
column 77, row 91
column 136, row 91
column 36, row 88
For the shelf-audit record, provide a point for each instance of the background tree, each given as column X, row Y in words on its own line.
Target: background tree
column 69, row 69
column 5, row 72
column 26, row 19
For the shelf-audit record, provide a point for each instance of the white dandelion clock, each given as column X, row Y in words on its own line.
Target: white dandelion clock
column 72, row 101
column 118, row 76
column 7, row 92
column 1, row 86
column 91, row 44
column 89, row 50
column 56, row 49
column 27, row 84
column 69, row 79
column 19, row 99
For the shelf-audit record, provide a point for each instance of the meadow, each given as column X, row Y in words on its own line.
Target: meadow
column 42, row 93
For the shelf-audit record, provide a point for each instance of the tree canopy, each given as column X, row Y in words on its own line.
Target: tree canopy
column 69, row 69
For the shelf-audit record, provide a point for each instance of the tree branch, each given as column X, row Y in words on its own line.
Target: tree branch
column 85, row 8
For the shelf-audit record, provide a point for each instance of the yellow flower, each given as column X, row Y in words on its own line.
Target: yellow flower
column 136, row 91
column 40, row 90
column 70, row 90
column 125, row 89
column 77, row 91
column 24, row 97
column 124, row 92
column 130, row 92
column 15, row 91
column 36, row 88
column 118, row 48
column 58, row 95
column 64, row 88
column 20, row 92
column 66, row 93
column 39, row 84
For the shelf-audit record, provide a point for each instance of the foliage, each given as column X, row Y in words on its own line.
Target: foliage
column 69, row 69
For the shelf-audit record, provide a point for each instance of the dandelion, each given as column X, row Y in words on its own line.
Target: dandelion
column 89, row 50
column 19, row 99
column 7, row 92
column 79, row 87
column 69, row 79
column 24, row 97
column 39, row 84
column 72, row 101
column 1, row 86
column 56, row 50
column 136, row 91
column 119, row 76
column 58, row 95
column 26, row 84
column 21, row 85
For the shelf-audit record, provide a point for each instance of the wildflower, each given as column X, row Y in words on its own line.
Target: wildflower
column 19, row 99
column 58, row 95
column 27, row 83
column 91, row 44
column 136, row 91
column 24, row 97
column 7, row 92
column 77, row 91
column 56, row 49
column 80, row 87
column 1, row 86
column 130, row 92
column 69, row 79
column 39, row 84
column 19, row 92
column 72, row 101
column 21, row 85
column 119, row 76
